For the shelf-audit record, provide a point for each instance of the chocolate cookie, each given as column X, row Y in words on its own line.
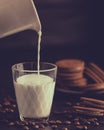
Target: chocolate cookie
column 70, row 65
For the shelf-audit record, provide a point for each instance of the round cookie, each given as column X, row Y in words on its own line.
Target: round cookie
column 70, row 65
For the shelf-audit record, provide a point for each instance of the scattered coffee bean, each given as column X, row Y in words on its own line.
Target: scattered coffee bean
column 58, row 122
column 26, row 128
column 26, row 123
column 97, row 123
column 54, row 126
column 11, row 124
column 52, row 122
column 41, row 126
column 14, row 105
column 36, row 126
column 81, row 127
column 64, row 128
column 77, row 123
column 67, row 122
column 8, row 110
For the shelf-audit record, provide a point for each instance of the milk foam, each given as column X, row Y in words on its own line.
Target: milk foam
column 34, row 95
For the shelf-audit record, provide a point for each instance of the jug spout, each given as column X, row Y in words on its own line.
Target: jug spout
column 18, row 15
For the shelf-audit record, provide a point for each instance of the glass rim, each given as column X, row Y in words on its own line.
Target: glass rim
column 35, row 70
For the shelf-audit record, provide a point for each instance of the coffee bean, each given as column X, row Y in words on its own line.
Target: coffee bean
column 81, row 127
column 14, row 106
column 41, row 126
column 36, row 126
column 11, row 124
column 58, row 122
column 96, row 123
column 77, row 123
column 54, row 126
column 26, row 123
column 67, row 122
column 26, row 128
column 85, row 127
column 52, row 122
column 64, row 128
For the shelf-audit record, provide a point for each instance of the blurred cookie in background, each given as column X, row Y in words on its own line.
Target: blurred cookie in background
column 70, row 73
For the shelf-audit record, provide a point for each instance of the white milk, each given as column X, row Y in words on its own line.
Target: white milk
column 34, row 95
column 38, row 53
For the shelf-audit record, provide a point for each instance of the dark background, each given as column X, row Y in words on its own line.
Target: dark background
column 71, row 29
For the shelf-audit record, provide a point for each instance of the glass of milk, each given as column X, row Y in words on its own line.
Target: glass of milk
column 34, row 89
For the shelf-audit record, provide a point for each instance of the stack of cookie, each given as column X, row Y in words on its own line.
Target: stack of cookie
column 70, row 74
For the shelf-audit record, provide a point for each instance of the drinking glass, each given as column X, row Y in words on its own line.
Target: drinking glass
column 34, row 89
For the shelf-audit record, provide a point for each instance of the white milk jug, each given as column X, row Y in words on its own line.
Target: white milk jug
column 18, row 15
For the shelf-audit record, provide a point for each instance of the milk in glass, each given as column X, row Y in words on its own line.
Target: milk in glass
column 34, row 95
